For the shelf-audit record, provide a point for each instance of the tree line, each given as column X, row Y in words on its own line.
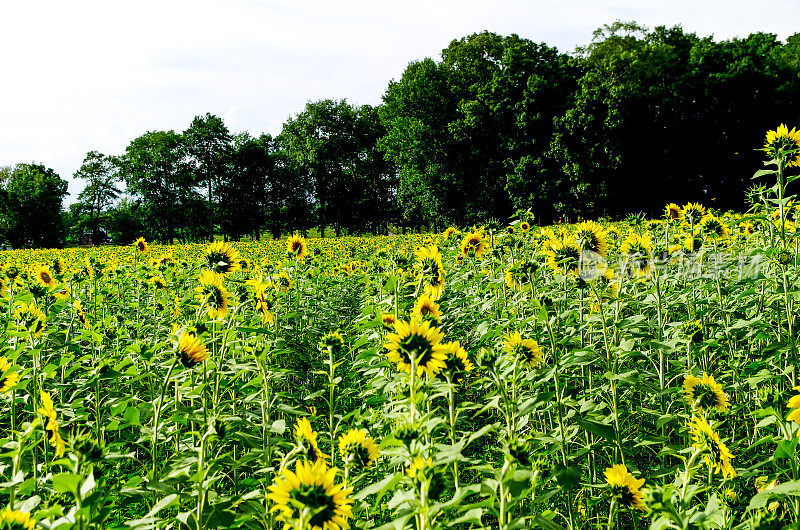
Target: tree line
column 497, row 125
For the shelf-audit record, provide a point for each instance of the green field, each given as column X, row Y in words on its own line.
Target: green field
column 487, row 378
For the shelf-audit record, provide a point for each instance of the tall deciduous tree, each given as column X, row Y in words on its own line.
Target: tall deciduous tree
column 208, row 144
column 471, row 133
column 101, row 174
column 157, row 172
column 243, row 194
column 32, row 206
column 332, row 144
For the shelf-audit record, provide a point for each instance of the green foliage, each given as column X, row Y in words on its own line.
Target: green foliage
column 31, row 206
column 331, row 147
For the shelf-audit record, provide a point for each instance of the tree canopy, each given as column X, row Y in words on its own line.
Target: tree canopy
column 493, row 126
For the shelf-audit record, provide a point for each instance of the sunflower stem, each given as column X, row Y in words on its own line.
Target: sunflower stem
column 156, row 418
column 451, row 410
column 411, row 404
column 331, row 403
column 612, row 511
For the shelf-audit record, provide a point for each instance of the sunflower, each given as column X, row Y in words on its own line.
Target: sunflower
column 190, row 350
column 625, row 488
column 607, row 283
column 30, row 318
column 428, row 262
column 332, row 342
column 307, row 438
column 222, row 258
column 638, row 249
column 524, row 226
column 81, row 314
column 61, row 293
column 783, row 144
column 262, row 303
column 358, row 449
column 563, row 255
column 16, row 520
column 794, row 403
column 693, row 212
column 12, row 272
column 673, row 212
column 693, row 242
column 8, row 379
column 282, row 282
column 693, row 329
column 747, row 228
column 213, row 293
column 520, row 273
column 449, row 231
column 308, row 498
column 456, row 362
column 528, row 350
column 418, row 466
column 718, row 457
column 297, row 247
column 416, row 342
column 427, row 309
column 473, row 244
column 705, row 393
column 141, row 245
column 591, row 236
column 713, row 226
column 51, row 426
column 388, row 321
column 44, row 276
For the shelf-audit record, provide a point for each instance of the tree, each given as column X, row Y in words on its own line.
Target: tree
column 243, row 194
column 101, row 174
column 331, row 145
column 471, row 133
column 126, row 224
column 661, row 115
column 156, row 170
column 32, row 206
column 208, row 144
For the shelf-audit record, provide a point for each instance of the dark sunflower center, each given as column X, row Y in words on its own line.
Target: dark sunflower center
column 529, row 354
column 624, row 495
column 220, row 262
column 312, row 452
column 46, row 278
column 418, row 346
column 215, row 296
column 318, row 501
column 296, row 247
column 358, row 454
column 567, row 256
column 588, row 240
column 455, row 365
column 705, row 396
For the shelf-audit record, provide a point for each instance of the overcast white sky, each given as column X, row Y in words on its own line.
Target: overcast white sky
column 93, row 75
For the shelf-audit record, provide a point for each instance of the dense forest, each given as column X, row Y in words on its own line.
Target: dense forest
column 496, row 125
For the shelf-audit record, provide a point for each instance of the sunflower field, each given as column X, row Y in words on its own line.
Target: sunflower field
column 637, row 374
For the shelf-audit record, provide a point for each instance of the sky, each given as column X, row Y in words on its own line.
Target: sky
column 93, row 75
